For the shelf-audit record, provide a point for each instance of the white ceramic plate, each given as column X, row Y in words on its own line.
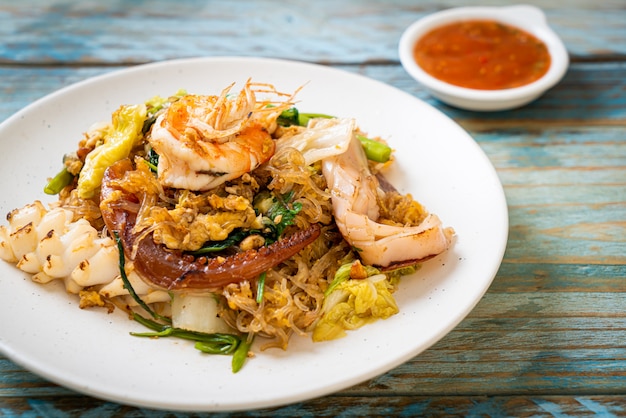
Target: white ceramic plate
column 43, row 329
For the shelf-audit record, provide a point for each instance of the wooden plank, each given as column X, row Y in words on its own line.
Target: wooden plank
column 550, row 154
column 571, row 183
column 530, row 378
column 16, row 381
column 348, row 406
column 552, row 277
column 36, row 31
column 563, row 234
column 20, row 86
column 551, row 304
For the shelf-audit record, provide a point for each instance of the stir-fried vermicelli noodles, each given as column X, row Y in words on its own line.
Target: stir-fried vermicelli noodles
column 204, row 216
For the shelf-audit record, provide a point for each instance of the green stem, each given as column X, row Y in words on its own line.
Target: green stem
column 304, row 118
column 374, row 150
column 216, row 348
column 241, row 354
column 128, row 285
column 58, row 182
column 213, row 343
column 260, row 287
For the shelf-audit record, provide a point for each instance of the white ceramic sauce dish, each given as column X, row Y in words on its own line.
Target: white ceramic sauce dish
column 528, row 18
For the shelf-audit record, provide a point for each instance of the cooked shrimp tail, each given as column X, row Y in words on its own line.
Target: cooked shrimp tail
column 204, row 141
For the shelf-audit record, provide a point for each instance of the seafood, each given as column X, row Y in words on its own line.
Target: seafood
column 173, row 270
column 49, row 245
column 355, row 194
column 204, row 141
column 323, row 138
column 222, row 214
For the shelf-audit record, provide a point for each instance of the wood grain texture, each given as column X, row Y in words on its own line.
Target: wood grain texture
column 549, row 336
column 346, row 406
column 333, row 31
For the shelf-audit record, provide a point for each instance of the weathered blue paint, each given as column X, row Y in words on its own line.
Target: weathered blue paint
column 599, row 410
column 346, row 32
column 548, row 337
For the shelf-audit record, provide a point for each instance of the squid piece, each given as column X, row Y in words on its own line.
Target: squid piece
column 49, row 245
column 173, row 270
column 354, row 190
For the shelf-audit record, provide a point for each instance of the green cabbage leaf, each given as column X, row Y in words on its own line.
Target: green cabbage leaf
column 354, row 303
column 125, row 132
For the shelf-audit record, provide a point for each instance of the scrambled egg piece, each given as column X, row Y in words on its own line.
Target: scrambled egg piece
column 197, row 219
column 91, row 298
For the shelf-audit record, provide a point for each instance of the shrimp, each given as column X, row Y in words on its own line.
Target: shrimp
column 204, row 141
column 355, row 192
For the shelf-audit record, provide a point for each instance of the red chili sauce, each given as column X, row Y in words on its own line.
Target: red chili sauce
column 482, row 54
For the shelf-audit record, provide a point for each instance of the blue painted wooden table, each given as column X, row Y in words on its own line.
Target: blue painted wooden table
column 549, row 337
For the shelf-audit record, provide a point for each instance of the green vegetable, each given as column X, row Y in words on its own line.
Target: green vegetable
column 281, row 215
column 353, row 304
column 343, row 273
column 218, row 346
column 278, row 213
column 62, row 179
column 127, row 285
column 118, row 142
column 147, row 124
column 260, row 287
column 263, row 201
column 214, row 343
column 304, row 118
column 292, row 116
column 157, row 103
column 375, row 150
column 152, row 160
column 214, row 246
column 395, row 275
column 241, row 354
column 211, row 343
column 288, row 117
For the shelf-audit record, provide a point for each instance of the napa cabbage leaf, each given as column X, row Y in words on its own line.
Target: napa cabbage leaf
column 125, row 132
column 354, row 303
